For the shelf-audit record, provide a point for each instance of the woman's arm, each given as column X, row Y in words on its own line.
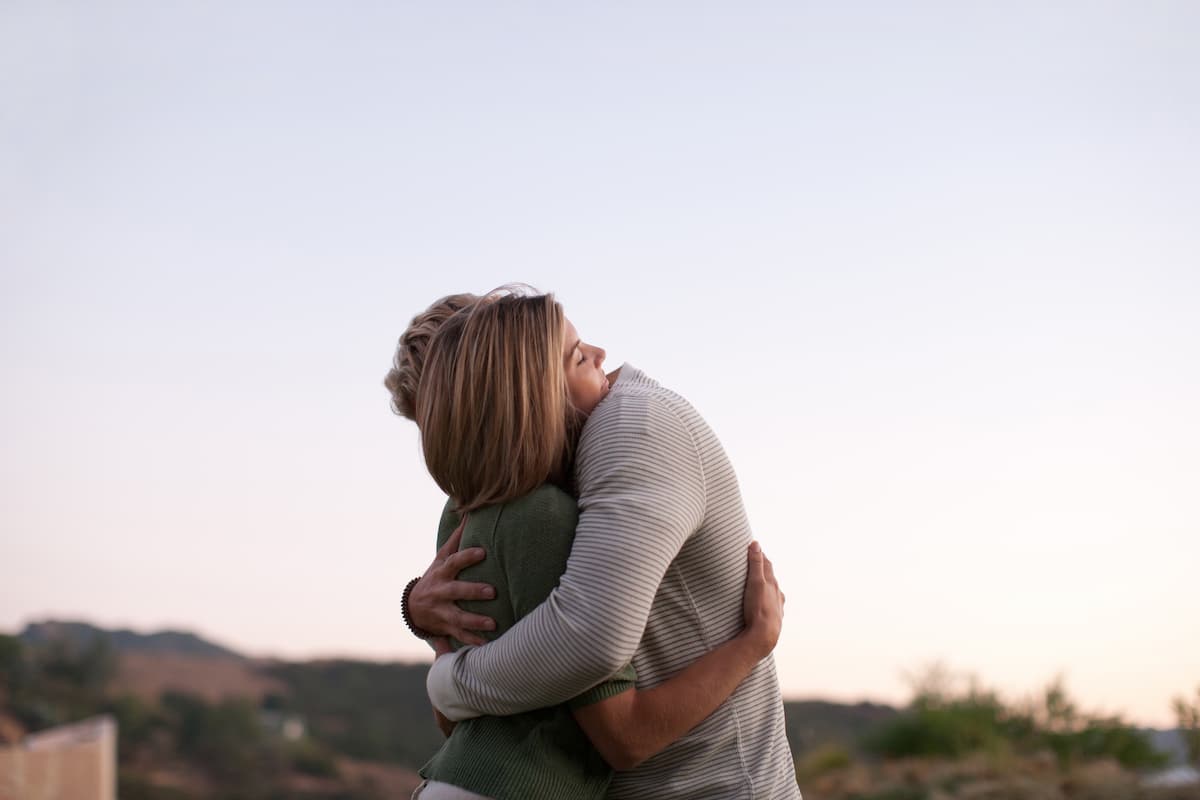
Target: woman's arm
column 634, row 725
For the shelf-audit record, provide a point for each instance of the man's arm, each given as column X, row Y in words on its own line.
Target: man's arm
column 642, row 494
column 635, row 725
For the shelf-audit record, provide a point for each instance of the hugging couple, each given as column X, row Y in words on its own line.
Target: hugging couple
column 602, row 618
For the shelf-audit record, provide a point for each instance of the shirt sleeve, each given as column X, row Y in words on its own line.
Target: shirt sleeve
column 641, row 495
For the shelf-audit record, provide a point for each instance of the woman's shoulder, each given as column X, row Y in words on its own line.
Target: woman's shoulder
column 547, row 508
column 547, row 503
column 532, row 537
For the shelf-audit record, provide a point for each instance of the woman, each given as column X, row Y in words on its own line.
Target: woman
column 501, row 390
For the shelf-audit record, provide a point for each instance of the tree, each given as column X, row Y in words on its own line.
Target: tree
column 1188, row 716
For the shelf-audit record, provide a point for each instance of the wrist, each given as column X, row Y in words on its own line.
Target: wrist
column 406, row 611
column 754, row 645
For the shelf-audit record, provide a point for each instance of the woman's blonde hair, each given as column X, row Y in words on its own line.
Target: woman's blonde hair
column 409, row 361
column 492, row 402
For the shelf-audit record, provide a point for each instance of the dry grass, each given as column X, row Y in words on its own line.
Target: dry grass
column 984, row 777
column 214, row 678
column 386, row 780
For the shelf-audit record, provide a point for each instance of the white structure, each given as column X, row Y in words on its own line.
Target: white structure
column 70, row 762
column 1173, row 777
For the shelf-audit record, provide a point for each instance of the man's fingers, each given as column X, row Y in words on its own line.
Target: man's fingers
column 453, row 542
column 468, row 625
column 465, row 590
column 467, row 637
column 475, row 622
column 461, row 560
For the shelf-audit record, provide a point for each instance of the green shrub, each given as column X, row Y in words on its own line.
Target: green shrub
column 829, row 758
column 942, row 721
column 1104, row 739
column 137, row 722
column 1187, row 715
column 226, row 740
column 310, row 758
column 350, row 707
column 947, row 727
column 132, row 787
column 893, row 793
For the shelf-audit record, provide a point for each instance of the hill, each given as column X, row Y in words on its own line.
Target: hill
column 367, row 710
column 80, row 634
column 200, row 720
column 812, row 724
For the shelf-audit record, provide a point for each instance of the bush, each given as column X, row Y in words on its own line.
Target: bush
column 351, row 707
column 310, row 758
column 937, row 723
column 57, row 681
column 948, row 722
column 829, row 758
column 1104, row 739
column 226, row 740
column 1187, row 715
column 137, row 723
column 894, row 793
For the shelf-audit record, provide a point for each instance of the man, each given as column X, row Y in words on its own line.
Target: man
column 655, row 574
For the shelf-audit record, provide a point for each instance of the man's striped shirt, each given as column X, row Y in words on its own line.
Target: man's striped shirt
column 656, row 573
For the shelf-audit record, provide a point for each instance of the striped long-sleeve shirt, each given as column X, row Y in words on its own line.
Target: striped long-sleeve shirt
column 656, row 573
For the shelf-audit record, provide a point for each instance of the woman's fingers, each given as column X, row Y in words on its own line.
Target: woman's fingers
column 762, row 604
column 755, row 562
column 769, row 576
column 769, row 570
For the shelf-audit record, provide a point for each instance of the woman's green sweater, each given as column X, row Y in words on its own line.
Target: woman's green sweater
column 540, row 753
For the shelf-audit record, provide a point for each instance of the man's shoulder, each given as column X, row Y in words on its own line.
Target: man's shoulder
column 637, row 394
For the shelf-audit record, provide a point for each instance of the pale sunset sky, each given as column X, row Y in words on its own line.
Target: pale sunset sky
column 931, row 270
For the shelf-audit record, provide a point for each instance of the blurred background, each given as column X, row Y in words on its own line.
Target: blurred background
column 931, row 270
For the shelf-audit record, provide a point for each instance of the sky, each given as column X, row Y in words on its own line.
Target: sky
column 931, row 270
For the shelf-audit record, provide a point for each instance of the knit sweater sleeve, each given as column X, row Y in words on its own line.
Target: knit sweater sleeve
column 642, row 494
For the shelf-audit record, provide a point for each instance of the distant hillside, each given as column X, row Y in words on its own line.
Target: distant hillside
column 812, row 723
column 124, row 640
column 365, row 709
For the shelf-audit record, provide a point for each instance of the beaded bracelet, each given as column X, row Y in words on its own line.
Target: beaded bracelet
column 420, row 633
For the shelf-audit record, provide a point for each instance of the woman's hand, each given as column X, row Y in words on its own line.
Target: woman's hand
column 762, row 603
column 432, row 603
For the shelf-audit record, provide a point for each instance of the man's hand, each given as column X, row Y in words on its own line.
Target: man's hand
column 432, row 603
column 762, row 604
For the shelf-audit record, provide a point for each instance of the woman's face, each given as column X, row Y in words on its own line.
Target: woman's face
column 583, row 365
